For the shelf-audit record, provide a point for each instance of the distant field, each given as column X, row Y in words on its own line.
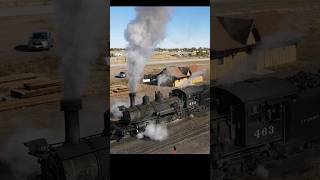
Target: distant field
column 155, row 57
column 12, row 3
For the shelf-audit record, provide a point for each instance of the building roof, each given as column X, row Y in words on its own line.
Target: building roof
column 237, row 28
column 232, row 31
column 260, row 89
column 184, row 70
column 221, row 39
column 193, row 68
column 174, row 72
column 268, row 23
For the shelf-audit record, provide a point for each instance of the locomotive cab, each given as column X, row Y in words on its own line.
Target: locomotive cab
column 254, row 110
column 193, row 97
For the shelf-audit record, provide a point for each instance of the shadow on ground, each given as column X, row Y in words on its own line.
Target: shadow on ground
column 25, row 48
column 5, row 171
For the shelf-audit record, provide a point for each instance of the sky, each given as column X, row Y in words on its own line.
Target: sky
column 188, row 27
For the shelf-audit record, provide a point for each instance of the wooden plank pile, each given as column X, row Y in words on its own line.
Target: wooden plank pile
column 18, row 77
column 20, row 103
column 31, row 90
column 118, row 89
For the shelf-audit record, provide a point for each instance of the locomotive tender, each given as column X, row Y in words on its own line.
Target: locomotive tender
column 261, row 119
column 180, row 104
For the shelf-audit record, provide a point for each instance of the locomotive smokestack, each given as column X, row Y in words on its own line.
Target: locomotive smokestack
column 158, row 96
column 71, row 117
column 145, row 100
column 132, row 96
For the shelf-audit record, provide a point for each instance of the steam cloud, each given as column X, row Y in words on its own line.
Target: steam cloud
column 14, row 153
column 191, row 78
column 115, row 103
column 143, row 34
column 157, row 132
column 162, row 79
column 115, row 109
column 165, row 78
column 81, row 26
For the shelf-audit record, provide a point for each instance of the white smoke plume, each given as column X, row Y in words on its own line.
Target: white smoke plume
column 115, row 109
column 143, row 34
column 163, row 79
column 157, row 132
column 15, row 153
column 82, row 30
column 193, row 76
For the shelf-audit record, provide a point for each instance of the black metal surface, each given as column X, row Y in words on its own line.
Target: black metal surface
column 132, row 97
column 262, row 88
column 145, row 100
column 263, row 116
column 162, row 110
column 76, row 158
column 71, row 115
column 158, row 96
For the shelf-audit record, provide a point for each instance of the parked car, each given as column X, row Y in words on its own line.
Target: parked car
column 40, row 41
column 121, row 75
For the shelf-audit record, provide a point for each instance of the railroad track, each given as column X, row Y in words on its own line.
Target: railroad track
column 189, row 132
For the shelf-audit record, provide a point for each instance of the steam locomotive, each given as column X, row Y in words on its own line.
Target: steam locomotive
column 262, row 119
column 77, row 158
column 181, row 103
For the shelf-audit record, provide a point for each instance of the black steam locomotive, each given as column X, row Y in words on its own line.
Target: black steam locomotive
column 76, row 158
column 181, row 103
column 261, row 119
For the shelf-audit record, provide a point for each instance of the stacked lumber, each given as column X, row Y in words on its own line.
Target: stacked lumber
column 29, row 90
column 36, row 88
column 25, row 93
column 18, row 77
column 20, row 103
column 41, row 83
column 118, row 89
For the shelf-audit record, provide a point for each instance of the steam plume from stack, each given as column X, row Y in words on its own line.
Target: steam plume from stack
column 143, row 34
column 81, row 25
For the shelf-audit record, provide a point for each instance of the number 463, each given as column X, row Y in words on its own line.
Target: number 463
column 262, row 132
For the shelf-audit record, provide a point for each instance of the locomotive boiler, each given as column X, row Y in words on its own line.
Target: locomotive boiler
column 75, row 159
column 180, row 104
column 260, row 119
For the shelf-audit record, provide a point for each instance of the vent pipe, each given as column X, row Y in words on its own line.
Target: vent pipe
column 71, row 117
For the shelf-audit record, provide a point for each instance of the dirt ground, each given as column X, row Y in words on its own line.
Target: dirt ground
column 306, row 14
column 42, row 121
column 15, row 3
